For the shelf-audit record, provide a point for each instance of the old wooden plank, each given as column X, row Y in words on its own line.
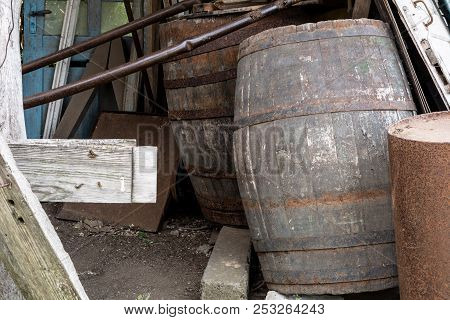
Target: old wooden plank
column 151, row 44
column 361, row 9
column 29, row 246
column 132, row 81
column 144, row 175
column 98, row 171
column 117, row 58
column 80, row 102
column 148, row 131
column 62, row 67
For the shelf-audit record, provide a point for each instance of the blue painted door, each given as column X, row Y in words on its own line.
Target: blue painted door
column 42, row 27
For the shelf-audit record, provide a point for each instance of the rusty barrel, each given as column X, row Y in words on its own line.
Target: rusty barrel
column 419, row 153
column 313, row 104
column 200, row 89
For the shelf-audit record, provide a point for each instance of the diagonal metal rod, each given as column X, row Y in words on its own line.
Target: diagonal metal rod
column 157, row 57
column 110, row 35
column 139, row 52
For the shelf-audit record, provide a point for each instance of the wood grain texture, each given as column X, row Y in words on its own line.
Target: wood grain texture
column 132, row 81
column 62, row 67
column 12, row 122
column 144, row 174
column 311, row 159
column 97, row 171
column 29, row 246
column 80, row 102
column 148, row 131
column 361, row 9
column 151, row 44
column 117, row 58
column 331, row 66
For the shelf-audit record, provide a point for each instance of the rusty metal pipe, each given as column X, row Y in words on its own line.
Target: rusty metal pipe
column 108, row 36
column 157, row 57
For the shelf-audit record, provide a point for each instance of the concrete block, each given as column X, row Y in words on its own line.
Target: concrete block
column 227, row 275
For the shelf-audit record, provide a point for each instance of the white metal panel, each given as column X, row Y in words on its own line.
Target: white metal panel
column 432, row 39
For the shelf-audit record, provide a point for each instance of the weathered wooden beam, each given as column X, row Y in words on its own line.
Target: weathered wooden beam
column 80, row 102
column 62, row 67
column 132, row 81
column 117, row 58
column 361, row 9
column 92, row 171
column 12, row 121
column 151, row 44
column 29, row 246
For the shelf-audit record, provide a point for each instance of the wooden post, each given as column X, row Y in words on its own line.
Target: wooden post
column 12, row 121
column 33, row 263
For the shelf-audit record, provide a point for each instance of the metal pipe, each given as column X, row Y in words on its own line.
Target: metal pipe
column 139, row 52
column 108, row 36
column 157, row 57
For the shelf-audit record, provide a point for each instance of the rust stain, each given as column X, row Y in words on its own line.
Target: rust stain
column 327, row 199
column 419, row 149
column 332, row 199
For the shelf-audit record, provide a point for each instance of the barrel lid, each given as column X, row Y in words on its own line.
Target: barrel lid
column 429, row 128
column 313, row 31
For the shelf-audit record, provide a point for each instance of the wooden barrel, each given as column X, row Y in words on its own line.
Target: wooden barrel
column 200, row 88
column 312, row 104
column 419, row 153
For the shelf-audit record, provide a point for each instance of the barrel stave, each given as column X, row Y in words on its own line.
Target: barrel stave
column 313, row 103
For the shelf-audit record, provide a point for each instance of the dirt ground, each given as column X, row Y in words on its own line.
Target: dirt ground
column 119, row 263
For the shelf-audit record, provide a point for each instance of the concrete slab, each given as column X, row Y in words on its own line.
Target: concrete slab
column 227, row 275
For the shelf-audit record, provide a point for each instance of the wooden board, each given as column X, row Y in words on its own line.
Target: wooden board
column 29, row 246
column 132, row 81
column 99, row 171
column 151, row 44
column 144, row 174
column 80, row 102
column 62, row 67
column 361, row 9
column 117, row 58
column 148, row 130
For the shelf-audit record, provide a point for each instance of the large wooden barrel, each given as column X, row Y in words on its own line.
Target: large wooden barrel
column 419, row 153
column 312, row 104
column 200, row 88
